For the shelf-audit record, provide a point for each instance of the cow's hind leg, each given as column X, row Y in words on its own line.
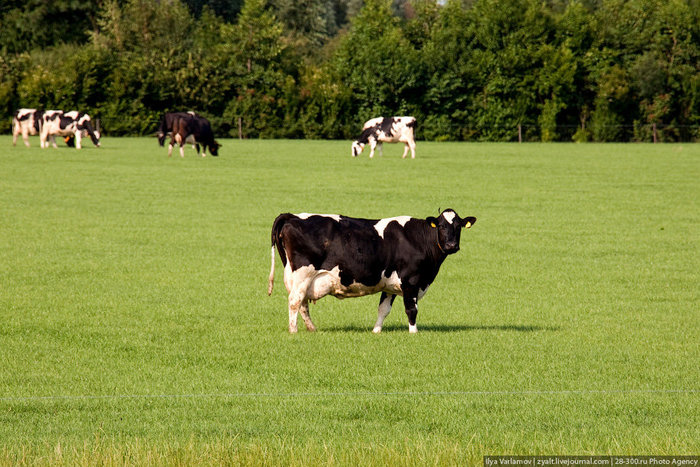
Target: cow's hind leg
column 304, row 310
column 385, row 303
column 297, row 300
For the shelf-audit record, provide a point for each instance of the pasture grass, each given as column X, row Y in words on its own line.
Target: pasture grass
column 135, row 327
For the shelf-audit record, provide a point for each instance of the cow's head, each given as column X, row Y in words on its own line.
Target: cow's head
column 449, row 228
column 357, row 148
column 214, row 148
column 85, row 126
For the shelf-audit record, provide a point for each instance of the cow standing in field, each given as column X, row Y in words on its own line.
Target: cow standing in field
column 387, row 130
column 329, row 254
column 165, row 128
column 26, row 122
column 194, row 128
column 74, row 123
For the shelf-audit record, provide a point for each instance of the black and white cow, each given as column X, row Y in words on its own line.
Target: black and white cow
column 26, row 122
column 74, row 123
column 387, row 130
column 329, row 254
column 189, row 127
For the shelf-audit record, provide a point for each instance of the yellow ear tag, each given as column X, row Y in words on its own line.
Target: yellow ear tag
column 432, row 224
column 469, row 224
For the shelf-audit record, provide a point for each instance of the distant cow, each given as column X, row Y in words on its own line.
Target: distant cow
column 198, row 128
column 165, row 128
column 329, row 254
column 26, row 122
column 74, row 123
column 387, row 130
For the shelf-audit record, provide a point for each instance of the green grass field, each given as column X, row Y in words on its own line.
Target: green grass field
column 135, row 327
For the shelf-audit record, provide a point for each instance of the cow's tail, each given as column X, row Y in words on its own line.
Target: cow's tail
column 15, row 128
column 276, row 242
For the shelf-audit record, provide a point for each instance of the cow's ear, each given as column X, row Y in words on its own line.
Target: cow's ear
column 432, row 221
column 468, row 222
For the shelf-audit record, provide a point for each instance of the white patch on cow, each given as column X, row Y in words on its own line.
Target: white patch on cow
column 306, row 215
column 324, row 283
column 412, row 328
column 319, row 283
column 372, row 121
column 381, row 225
column 449, row 216
column 391, row 284
column 288, row 276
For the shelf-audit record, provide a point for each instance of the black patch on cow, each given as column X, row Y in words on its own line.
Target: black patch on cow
column 38, row 115
column 23, row 117
column 387, row 125
column 366, row 133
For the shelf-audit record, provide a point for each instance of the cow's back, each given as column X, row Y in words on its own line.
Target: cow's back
column 327, row 242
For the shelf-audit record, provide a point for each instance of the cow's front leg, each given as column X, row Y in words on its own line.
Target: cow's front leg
column 410, row 302
column 385, row 302
column 78, row 137
column 170, row 147
column 372, row 146
column 53, row 141
column 405, row 151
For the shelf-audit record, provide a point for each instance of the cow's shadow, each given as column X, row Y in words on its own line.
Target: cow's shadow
column 444, row 328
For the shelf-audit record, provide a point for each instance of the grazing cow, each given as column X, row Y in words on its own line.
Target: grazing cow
column 165, row 128
column 195, row 127
column 387, row 130
column 26, row 122
column 329, row 254
column 74, row 123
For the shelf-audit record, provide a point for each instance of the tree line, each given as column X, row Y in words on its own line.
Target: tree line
column 468, row 70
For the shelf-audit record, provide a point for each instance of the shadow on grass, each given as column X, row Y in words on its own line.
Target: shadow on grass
column 443, row 328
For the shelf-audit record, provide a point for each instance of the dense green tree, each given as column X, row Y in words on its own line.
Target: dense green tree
column 261, row 84
column 226, row 9
column 603, row 70
column 30, row 24
column 378, row 64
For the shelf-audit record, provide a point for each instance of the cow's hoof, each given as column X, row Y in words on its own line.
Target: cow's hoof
column 377, row 330
column 292, row 330
column 412, row 329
